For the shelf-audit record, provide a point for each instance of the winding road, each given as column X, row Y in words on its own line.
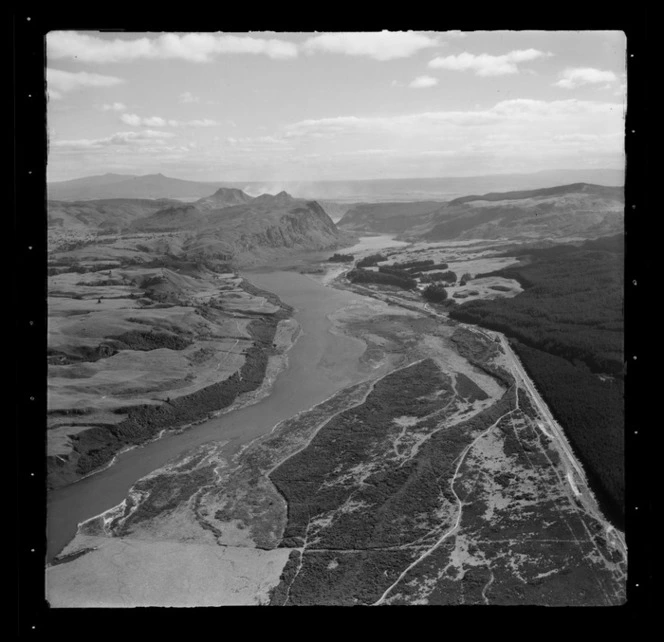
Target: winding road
column 460, row 505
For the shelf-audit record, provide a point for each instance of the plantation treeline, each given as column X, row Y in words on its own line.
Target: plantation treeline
column 592, row 413
column 571, row 306
column 415, row 265
column 384, row 278
column 341, row 258
column 369, row 261
column 569, row 325
column 417, row 271
column 448, row 277
column 390, row 269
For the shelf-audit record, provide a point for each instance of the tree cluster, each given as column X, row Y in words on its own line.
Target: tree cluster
column 381, row 278
column 341, row 258
column 447, row 277
column 428, row 268
column 414, row 265
column 369, row 261
column 435, row 293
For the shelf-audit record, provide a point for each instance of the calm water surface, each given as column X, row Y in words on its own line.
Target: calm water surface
column 320, row 364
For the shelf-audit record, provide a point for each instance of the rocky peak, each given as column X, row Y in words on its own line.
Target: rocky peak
column 282, row 198
column 224, row 197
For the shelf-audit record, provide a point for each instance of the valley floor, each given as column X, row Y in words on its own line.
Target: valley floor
column 438, row 477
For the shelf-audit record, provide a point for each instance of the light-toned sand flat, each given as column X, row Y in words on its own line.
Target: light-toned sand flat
column 129, row 573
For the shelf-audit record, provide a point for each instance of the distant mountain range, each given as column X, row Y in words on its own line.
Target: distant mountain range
column 228, row 224
column 575, row 210
column 127, row 186
column 402, row 189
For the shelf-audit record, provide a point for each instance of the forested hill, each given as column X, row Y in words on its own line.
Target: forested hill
column 560, row 190
column 576, row 210
column 567, row 328
column 571, row 306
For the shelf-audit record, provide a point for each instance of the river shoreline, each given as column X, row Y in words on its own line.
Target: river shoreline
column 96, row 449
column 332, row 359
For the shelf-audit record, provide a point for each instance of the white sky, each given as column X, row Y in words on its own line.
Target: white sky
column 292, row 107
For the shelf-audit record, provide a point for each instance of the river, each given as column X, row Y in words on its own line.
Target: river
column 319, row 364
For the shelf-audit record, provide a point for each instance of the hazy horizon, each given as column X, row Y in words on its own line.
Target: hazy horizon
column 376, row 190
column 352, row 180
column 284, row 107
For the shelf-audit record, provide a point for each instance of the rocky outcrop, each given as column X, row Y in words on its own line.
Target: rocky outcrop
column 224, row 197
column 227, row 223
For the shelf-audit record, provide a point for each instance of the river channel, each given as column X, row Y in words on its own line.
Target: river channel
column 320, row 363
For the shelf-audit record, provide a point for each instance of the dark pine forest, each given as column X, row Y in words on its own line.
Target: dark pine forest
column 567, row 329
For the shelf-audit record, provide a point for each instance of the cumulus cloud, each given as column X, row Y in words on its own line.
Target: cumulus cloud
column 120, row 138
column 131, row 119
column 486, row 64
column 408, row 125
column 255, row 140
column 380, row 45
column 515, row 123
column 194, row 47
column 201, row 122
column 60, row 82
column 114, row 107
column 188, row 97
column 578, row 76
column 423, row 81
column 154, row 121
column 134, row 120
column 511, row 135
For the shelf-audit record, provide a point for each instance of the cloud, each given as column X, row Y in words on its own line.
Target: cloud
column 513, row 135
column 120, row 138
column 486, row 64
column 154, row 121
column 520, row 121
column 403, row 125
column 193, row 47
column 253, row 144
column 188, row 97
column 134, row 120
column 114, row 107
column 578, row 76
column 423, row 81
column 60, row 82
column 131, row 119
column 201, row 122
column 380, row 45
